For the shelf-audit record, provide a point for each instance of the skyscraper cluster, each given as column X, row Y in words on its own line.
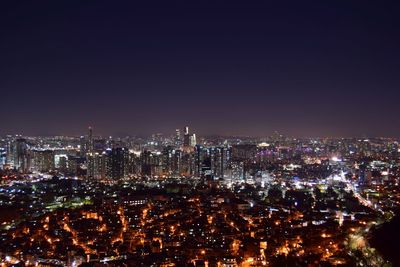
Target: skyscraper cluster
column 185, row 200
column 181, row 157
column 98, row 158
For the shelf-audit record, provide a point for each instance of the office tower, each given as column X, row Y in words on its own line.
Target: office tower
column 192, row 140
column 189, row 140
column 186, row 136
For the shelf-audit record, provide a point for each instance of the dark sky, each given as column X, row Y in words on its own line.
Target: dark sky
column 304, row 68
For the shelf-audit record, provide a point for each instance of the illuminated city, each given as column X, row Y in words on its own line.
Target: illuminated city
column 199, row 133
column 183, row 200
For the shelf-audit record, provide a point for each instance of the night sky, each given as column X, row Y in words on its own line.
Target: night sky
column 320, row 68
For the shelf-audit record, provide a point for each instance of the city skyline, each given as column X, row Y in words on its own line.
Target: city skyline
column 303, row 69
column 179, row 200
column 172, row 132
column 199, row 133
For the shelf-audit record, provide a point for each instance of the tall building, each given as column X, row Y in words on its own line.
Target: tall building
column 21, row 157
column 178, row 140
column 73, row 164
column 119, row 159
column 152, row 163
column 43, row 160
column 187, row 163
column 62, row 164
column 93, row 161
column 3, row 157
column 83, row 146
column 147, row 161
column 177, row 163
column 189, row 140
column 9, row 153
column 167, row 160
column 87, row 143
column 220, row 157
column 202, row 161
column 192, row 140
column 90, row 145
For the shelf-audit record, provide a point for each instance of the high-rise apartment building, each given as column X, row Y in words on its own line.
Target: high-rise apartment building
column 21, row 157
column 43, row 160
column 119, row 159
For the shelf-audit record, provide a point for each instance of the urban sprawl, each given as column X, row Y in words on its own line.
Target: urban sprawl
column 187, row 200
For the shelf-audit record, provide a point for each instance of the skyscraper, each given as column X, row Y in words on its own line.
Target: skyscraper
column 186, row 136
column 219, row 160
column 178, row 140
column 189, row 140
column 90, row 146
column 91, row 158
column 192, row 140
